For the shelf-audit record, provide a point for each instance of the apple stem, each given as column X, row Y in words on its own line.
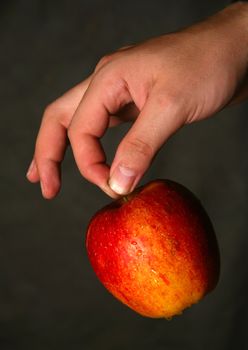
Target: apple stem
column 125, row 198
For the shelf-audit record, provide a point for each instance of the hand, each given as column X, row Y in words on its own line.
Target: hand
column 161, row 84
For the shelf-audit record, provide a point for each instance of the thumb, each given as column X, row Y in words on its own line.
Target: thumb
column 154, row 125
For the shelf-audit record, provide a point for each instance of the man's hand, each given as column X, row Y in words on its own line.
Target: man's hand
column 160, row 84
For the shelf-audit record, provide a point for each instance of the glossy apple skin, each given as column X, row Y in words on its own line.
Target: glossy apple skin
column 155, row 250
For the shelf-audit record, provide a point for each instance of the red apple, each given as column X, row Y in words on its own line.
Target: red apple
column 155, row 249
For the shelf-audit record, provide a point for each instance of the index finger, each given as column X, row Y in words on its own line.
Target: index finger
column 104, row 97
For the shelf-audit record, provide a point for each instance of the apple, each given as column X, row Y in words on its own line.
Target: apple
column 155, row 249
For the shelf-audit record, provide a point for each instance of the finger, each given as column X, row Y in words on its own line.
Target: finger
column 32, row 173
column 104, row 97
column 49, row 152
column 156, row 122
column 52, row 140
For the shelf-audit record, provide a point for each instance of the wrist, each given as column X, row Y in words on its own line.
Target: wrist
column 233, row 24
column 236, row 31
column 227, row 33
column 234, row 20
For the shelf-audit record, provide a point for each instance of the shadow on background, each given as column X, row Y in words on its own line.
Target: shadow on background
column 49, row 295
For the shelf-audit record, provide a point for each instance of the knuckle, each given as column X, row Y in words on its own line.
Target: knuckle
column 123, row 48
column 49, row 111
column 140, row 147
column 103, row 61
column 85, row 171
column 172, row 98
column 58, row 111
column 167, row 99
column 171, row 102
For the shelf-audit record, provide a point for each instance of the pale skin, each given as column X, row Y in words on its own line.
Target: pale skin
column 160, row 85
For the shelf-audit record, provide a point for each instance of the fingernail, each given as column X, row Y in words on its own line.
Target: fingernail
column 122, row 180
column 43, row 188
column 110, row 192
column 30, row 169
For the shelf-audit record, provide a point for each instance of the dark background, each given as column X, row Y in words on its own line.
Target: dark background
column 49, row 295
